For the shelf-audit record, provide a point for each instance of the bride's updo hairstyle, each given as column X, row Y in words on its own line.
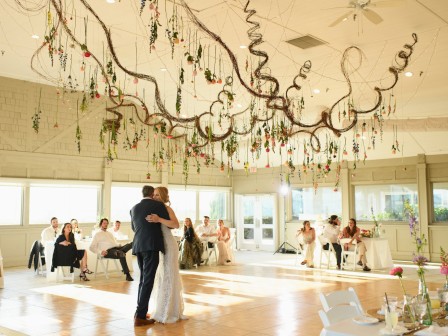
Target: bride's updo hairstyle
column 163, row 193
column 332, row 220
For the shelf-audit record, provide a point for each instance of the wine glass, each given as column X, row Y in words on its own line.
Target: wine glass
column 420, row 306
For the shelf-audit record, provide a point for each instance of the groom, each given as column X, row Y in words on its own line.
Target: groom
column 148, row 241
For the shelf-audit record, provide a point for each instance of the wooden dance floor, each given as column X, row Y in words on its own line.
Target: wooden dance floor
column 262, row 294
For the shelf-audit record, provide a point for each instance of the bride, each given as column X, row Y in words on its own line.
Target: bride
column 167, row 304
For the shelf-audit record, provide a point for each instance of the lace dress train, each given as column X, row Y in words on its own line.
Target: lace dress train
column 167, row 304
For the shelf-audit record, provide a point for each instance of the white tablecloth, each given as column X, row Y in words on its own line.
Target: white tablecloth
column 378, row 253
column 2, row 275
column 349, row 328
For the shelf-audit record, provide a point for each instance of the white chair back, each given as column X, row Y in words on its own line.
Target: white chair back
column 338, row 313
column 328, row 253
column 349, row 253
column 338, row 298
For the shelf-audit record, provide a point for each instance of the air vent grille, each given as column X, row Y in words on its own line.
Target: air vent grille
column 306, row 42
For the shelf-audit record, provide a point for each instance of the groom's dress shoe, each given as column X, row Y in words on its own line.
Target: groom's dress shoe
column 138, row 322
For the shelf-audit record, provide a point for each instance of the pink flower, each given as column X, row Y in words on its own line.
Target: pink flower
column 444, row 270
column 398, row 271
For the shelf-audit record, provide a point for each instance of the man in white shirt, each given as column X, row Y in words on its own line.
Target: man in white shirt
column 207, row 234
column 105, row 244
column 115, row 230
column 50, row 233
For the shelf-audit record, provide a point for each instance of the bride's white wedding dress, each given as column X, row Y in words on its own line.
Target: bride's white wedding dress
column 167, row 304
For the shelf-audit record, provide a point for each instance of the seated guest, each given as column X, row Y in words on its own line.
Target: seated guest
column 206, row 234
column 78, row 258
column 332, row 232
column 353, row 232
column 309, row 236
column 50, row 233
column 223, row 243
column 76, row 229
column 190, row 247
column 115, row 230
column 105, row 244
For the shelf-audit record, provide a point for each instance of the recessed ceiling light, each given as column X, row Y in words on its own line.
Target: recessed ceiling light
column 34, row 36
column 345, row 19
column 408, row 74
column 316, row 91
column 162, row 69
column 243, row 46
column 110, row 1
column 239, row 105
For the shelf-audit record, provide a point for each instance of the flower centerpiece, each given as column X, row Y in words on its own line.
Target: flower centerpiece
column 377, row 226
column 366, row 233
column 408, row 316
column 420, row 260
column 444, row 267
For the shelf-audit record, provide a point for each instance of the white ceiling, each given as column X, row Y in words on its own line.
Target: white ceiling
column 423, row 96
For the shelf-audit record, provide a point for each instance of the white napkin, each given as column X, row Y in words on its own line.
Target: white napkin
column 433, row 331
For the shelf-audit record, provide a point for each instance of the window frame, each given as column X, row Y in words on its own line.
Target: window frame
column 431, row 201
column 370, row 221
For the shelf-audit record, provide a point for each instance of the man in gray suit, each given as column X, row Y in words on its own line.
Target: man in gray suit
column 148, row 242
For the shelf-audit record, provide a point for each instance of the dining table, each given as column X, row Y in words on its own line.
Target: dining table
column 355, row 327
column 378, row 253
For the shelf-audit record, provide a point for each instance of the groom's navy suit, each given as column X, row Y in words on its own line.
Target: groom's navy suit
column 148, row 242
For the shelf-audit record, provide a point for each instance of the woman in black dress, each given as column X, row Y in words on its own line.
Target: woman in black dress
column 79, row 257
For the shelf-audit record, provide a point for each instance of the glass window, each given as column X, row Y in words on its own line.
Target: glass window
column 64, row 202
column 315, row 204
column 440, row 200
column 213, row 204
column 387, row 201
column 122, row 200
column 183, row 202
column 11, row 201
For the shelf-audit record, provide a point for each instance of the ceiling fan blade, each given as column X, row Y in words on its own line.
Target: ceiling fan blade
column 387, row 3
column 340, row 19
column 372, row 16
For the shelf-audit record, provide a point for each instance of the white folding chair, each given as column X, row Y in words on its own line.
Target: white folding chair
column 63, row 273
column 338, row 313
column 338, row 298
column 349, row 253
column 104, row 262
column 209, row 251
column 328, row 253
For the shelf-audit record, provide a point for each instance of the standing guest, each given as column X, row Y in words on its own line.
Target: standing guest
column 50, row 233
column 148, row 242
column 68, row 239
column 206, row 234
column 353, row 232
column 309, row 236
column 332, row 232
column 223, row 243
column 76, row 229
column 105, row 244
column 190, row 247
column 115, row 230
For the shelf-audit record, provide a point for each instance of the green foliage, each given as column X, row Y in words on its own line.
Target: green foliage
column 441, row 214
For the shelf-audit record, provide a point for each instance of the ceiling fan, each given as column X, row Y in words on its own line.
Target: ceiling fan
column 363, row 7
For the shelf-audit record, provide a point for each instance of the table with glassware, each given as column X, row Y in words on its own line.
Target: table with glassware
column 375, row 323
column 378, row 253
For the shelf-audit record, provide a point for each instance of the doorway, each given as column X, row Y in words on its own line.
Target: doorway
column 256, row 222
